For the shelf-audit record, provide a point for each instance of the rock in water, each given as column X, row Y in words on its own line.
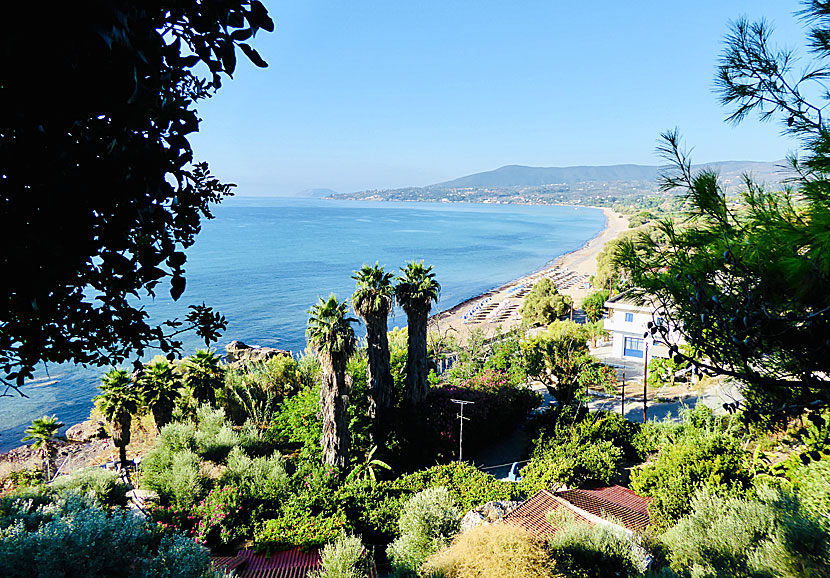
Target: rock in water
column 240, row 353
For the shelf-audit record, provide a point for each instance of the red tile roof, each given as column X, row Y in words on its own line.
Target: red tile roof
column 293, row 563
column 533, row 514
column 615, row 503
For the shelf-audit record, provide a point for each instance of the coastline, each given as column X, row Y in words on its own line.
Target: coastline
column 503, row 302
column 582, row 258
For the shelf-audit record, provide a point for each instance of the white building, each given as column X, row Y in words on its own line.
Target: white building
column 627, row 323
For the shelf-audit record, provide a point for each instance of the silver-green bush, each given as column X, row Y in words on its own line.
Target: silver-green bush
column 741, row 538
column 428, row 522
column 79, row 539
column 344, row 558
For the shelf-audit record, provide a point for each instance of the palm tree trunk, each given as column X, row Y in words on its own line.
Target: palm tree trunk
column 334, row 401
column 120, row 434
column 162, row 414
column 380, row 373
column 416, row 361
column 47, row 460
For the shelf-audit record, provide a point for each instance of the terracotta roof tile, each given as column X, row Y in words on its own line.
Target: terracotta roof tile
column 533, row 514
column 614, row 503
column 293, row 563
column 611, row 502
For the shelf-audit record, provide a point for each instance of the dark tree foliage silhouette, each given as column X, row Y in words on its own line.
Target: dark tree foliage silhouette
column 416, row 290
column 747, row 282
column 372, row 301
column 99, row 192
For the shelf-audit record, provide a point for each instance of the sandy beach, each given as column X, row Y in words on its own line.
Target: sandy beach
column 498, row 310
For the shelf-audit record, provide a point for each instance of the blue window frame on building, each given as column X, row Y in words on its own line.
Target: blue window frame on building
column 629, row 317
column 633, row 347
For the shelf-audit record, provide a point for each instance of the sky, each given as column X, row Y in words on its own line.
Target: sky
column 378, row 94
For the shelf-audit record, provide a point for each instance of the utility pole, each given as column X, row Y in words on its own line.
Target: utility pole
column 461, row 418
column 645, row 383
column 622, row 397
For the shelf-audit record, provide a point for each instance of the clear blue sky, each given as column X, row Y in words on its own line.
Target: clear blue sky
column 363, row 94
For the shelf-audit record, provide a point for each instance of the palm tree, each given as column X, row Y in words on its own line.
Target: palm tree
column 331, row 336
column 158, row 386
column 118, row 402
column 203, row 373
column 372, row 300
column 42, row 431
column 415, row 291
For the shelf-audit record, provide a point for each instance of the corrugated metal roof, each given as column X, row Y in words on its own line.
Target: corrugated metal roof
column 614, row 503
column 533, row 514
column 611, row 502
column 293, row 563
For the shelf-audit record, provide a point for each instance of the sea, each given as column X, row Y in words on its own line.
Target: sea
column 262, row 262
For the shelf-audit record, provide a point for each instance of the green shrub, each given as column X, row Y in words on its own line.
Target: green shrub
column 428, row 522
column 570, row 463
column 105, row 485
column 696, row 459
column 346, row 557
column 371, row 509
column 588, row 551
column 214, row 434
column 80, row 539
column 176, row 437
column 468, row 486
column 813, row 488
column 299, row 529
column 594, row 304
column 573, row 445
column 33, row 507
column 740, row 538
column 254, row 439
column 262, row 479
column 297, row 424
column 176, row 477
column 220, row 517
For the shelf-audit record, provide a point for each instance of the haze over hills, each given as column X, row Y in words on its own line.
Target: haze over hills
column 518, row 175
column 579, row 185
column 317, row 193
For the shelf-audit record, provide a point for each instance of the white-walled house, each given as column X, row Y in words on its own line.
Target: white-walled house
column 627, row 323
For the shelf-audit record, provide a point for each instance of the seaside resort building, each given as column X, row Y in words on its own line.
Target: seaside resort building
column 627, row 323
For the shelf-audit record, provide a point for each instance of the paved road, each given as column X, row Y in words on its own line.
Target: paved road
column 514, row 447
column 714, row 398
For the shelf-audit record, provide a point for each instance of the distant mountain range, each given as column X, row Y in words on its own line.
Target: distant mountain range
column 581, row 184
column 522, row 176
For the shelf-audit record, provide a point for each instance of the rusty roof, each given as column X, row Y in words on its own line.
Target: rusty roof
column 293, row 563
column 613, row 503
column 533, row 514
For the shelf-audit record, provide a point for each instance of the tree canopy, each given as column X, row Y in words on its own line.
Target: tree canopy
column 746, row 278
column 544, row 304
column 99, row 191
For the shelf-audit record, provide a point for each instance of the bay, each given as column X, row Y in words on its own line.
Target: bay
column 263, row 262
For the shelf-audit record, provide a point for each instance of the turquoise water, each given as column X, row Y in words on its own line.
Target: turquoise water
column 264, row 262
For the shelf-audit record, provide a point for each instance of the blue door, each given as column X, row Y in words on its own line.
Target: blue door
column 633, row 347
